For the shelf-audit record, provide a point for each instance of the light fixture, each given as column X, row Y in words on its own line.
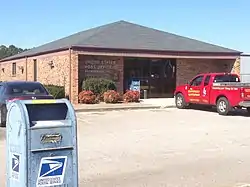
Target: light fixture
column 51, row 64
column 21, row 68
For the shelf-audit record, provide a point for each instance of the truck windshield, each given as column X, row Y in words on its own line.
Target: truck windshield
column 226, row 78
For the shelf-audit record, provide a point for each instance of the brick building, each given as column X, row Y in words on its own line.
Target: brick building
column 120, row 51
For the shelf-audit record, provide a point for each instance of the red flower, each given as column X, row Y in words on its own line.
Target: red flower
column 87, row 97
column 131, row 96
column 111, row 96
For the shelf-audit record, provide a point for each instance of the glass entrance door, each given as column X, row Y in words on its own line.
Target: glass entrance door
column 162, row 79
column 155, row 80
column 158, row 76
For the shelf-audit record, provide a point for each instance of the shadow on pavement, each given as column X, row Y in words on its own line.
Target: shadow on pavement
column 235, row 112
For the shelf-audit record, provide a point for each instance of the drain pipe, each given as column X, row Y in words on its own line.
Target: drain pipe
column 26, row 68
column 70, row 73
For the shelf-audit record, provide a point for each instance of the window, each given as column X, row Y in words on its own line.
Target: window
column 207, row 79
column 14, row 69
column 226, row 78
column 197, row 81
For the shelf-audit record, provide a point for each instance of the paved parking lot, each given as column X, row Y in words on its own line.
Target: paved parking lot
column 159, row 148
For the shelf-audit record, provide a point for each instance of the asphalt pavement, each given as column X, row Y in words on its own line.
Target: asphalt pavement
column 161, row 148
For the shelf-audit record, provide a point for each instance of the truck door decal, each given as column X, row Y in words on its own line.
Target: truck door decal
column 204, row 92
column 193, row 92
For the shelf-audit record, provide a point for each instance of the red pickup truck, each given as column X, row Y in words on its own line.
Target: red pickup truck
column 223, row 90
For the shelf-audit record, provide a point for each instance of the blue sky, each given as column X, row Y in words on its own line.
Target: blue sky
column 30, row 23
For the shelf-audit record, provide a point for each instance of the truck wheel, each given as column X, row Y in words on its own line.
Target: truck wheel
column 180, row 101
column 223, row 106
column 248, row 110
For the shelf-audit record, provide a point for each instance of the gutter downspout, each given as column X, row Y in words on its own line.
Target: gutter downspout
column 26, row 68
column 70, row 82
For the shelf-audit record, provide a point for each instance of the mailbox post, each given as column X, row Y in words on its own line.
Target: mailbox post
column 41, row 144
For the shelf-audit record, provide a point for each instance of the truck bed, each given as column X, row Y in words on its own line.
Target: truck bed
column 234, row 84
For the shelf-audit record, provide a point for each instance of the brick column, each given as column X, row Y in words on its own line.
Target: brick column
column 74, row 77
column 120, row 68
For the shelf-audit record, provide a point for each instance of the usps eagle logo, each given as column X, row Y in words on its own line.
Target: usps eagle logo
column 15, row 166
column 51, row 171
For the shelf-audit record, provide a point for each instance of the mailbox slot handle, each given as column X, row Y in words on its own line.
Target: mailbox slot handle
column 50, row 127
column 52, row 149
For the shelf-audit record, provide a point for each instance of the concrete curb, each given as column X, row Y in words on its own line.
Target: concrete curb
column 103, row 109
column 169, row 106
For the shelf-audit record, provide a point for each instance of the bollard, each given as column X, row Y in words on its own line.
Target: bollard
column 41, row 144
column 145, row 94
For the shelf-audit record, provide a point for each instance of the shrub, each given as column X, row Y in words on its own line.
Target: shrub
column 131, row 96
column 87, row 97
column 111, row 96
column 100, row 98
column 98, row 85
column 58, row 92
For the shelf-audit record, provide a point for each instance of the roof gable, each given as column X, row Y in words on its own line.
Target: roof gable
column 125, row 35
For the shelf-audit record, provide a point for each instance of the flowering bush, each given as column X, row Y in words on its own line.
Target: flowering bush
column 111, row 96
column 131, row 96
column 87, row 97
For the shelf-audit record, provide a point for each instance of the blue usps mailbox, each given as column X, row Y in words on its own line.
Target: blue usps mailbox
column 135, row 85
column 41, row 144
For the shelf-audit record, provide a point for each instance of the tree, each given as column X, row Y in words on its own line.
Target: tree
column 10, row 51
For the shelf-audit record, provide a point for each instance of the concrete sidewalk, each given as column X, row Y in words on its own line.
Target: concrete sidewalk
column 144, row 104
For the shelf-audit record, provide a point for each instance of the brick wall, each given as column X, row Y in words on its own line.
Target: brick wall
column 102, row 67
column 188, row 68
column 57, row 75
column 74, row 77
column 60, row 73
column 6, row 70
column 71, row 67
